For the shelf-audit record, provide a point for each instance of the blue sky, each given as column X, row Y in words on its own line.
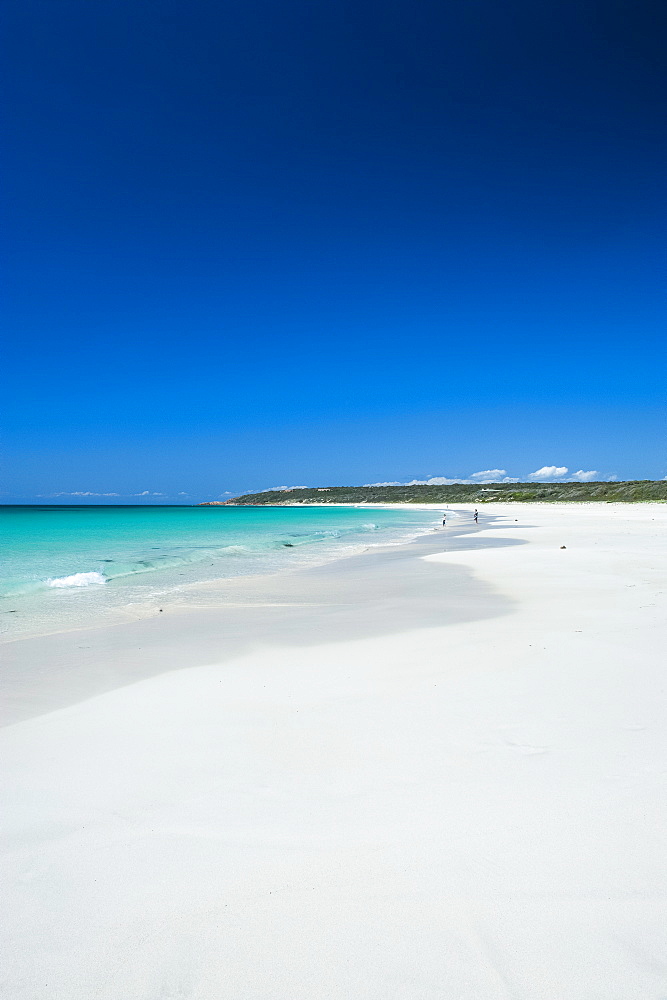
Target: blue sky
column 302, row 244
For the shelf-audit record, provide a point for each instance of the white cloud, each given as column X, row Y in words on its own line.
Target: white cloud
column 477, row 479
column 81, row 493
column 490, row 475
column 583, row 477
column 549, row 472
column 92, row 493
column 182, row 494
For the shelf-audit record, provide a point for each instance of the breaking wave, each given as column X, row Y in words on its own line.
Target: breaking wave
column 76, row 580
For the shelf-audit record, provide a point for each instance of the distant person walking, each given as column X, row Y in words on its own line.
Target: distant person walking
column 475, row 515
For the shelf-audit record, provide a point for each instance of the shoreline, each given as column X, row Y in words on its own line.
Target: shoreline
column 129, row 597
column 234, row 613
column 434, row 771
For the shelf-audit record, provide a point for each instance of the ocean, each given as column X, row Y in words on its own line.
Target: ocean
column 66, row 567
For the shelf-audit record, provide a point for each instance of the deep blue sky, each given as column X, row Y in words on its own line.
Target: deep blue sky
column 258, row 244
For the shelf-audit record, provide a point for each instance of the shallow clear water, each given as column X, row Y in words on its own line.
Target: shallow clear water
column 65, row 566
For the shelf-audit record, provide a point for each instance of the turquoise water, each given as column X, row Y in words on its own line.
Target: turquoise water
column 64, row 565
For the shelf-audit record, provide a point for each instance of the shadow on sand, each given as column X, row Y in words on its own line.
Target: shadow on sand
column 379, row 592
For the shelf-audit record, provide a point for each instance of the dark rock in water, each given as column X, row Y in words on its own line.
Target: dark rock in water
column 563, row 546
column 288, row 545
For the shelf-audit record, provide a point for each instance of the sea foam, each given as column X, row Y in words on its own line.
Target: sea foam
column 76, row 580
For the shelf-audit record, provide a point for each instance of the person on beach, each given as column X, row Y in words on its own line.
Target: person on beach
column 475, row 515
column 444, row 521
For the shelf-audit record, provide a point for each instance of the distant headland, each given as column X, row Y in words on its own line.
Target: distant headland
column 624, row 492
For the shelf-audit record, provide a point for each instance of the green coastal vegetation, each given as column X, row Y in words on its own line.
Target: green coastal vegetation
column 626, row 492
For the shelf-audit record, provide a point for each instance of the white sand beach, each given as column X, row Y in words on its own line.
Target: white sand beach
column 432, row 772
